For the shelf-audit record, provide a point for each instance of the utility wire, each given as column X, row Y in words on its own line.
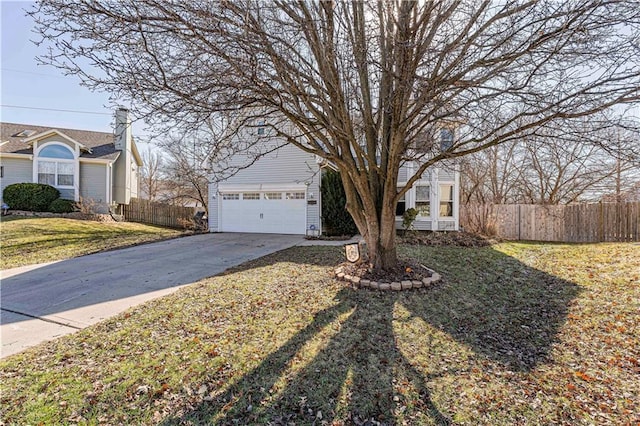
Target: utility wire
column 56, row 110
column 32, row 72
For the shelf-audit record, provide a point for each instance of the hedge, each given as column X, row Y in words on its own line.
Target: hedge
column 35, row 197
column 62, row 206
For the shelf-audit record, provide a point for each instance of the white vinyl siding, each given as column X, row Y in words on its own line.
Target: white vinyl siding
column 289, row 169
column 403, row 173
column 213, row 207
column 314, row 204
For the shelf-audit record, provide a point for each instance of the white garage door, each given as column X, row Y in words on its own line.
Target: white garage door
column 267, row 212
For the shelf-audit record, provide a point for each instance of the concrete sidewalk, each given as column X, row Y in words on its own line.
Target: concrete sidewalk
column 42, row 302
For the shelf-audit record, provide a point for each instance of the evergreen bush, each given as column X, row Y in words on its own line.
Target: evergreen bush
column 62, row 206
column 35, row 197
column 335, row 217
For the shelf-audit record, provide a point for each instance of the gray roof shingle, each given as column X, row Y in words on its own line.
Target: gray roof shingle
column 101, row 144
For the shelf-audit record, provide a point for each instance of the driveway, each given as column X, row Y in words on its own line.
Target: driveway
column 42, row 302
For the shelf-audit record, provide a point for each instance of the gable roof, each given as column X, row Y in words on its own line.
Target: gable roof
column 16, row 139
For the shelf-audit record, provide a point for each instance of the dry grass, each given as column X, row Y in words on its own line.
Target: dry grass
column 516, row 334
column 27, row 241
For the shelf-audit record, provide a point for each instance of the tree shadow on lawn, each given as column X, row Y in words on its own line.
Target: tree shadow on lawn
column 498, row 307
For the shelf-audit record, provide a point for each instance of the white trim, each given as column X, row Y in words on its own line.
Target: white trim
column 456, row 199
column 76, row 181
column 14, row 155
column 51, row 132
column 95, row 160
column 435, row 205
column 107, row 192
column 264, row 187
column 37, row 148
column 219, row 203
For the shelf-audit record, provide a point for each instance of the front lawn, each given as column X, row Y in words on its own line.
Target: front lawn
column 26, row 241
column 515, row 334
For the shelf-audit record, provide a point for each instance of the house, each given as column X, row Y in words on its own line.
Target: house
column 280, row 193
column 97, row 166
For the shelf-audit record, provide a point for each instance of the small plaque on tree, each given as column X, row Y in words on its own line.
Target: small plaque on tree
column 352, row 252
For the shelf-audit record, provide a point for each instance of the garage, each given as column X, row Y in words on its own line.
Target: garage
column 263, row 210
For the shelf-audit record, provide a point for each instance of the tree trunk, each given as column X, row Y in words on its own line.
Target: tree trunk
column 380, row 236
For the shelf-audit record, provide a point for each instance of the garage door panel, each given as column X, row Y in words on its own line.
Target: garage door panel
column 269, row 214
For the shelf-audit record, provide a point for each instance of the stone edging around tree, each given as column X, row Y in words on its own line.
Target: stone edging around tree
column 391, row 286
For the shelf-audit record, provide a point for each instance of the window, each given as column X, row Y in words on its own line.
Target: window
column 251, row 196
column 295, row 195
column 423, row 204
column 273, row 195
column 56, row 166
column 401, row 207
column 1, row 171
column 261, row 127
column 446, row 201
column 65, row 174
column 56, row 151
column 234, row 196
column 446, row 139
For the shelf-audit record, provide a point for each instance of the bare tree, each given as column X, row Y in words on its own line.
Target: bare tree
column 364, row 85
column 492, row 176
column 151, row 174
column 185, row 171
column 577, row 161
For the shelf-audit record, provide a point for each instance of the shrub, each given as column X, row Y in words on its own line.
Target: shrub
column 62, row 206
column 35, row 197
column 335, row 216
column 408, row 217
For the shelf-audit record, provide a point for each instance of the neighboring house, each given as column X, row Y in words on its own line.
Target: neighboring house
column 280, row 193
column 98, row 166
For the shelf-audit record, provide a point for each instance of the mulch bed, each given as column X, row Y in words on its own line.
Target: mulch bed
column 459, row 239
column 406, row 269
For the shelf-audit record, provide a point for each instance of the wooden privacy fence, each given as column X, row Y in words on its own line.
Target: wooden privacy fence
column 585, row 223
column 146, row 211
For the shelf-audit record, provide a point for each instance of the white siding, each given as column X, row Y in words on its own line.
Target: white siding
column 313, row 210
column 213, row 207
column 288, row 166
column 93, row 182
column 402, row 173
column 446, row 172
column 15, row 170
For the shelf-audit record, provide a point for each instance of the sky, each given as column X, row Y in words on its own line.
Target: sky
column 40, row 94
column 43, row 95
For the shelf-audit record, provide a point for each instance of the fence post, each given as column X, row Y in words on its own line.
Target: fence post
column 600, row 222
column 519, row 206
